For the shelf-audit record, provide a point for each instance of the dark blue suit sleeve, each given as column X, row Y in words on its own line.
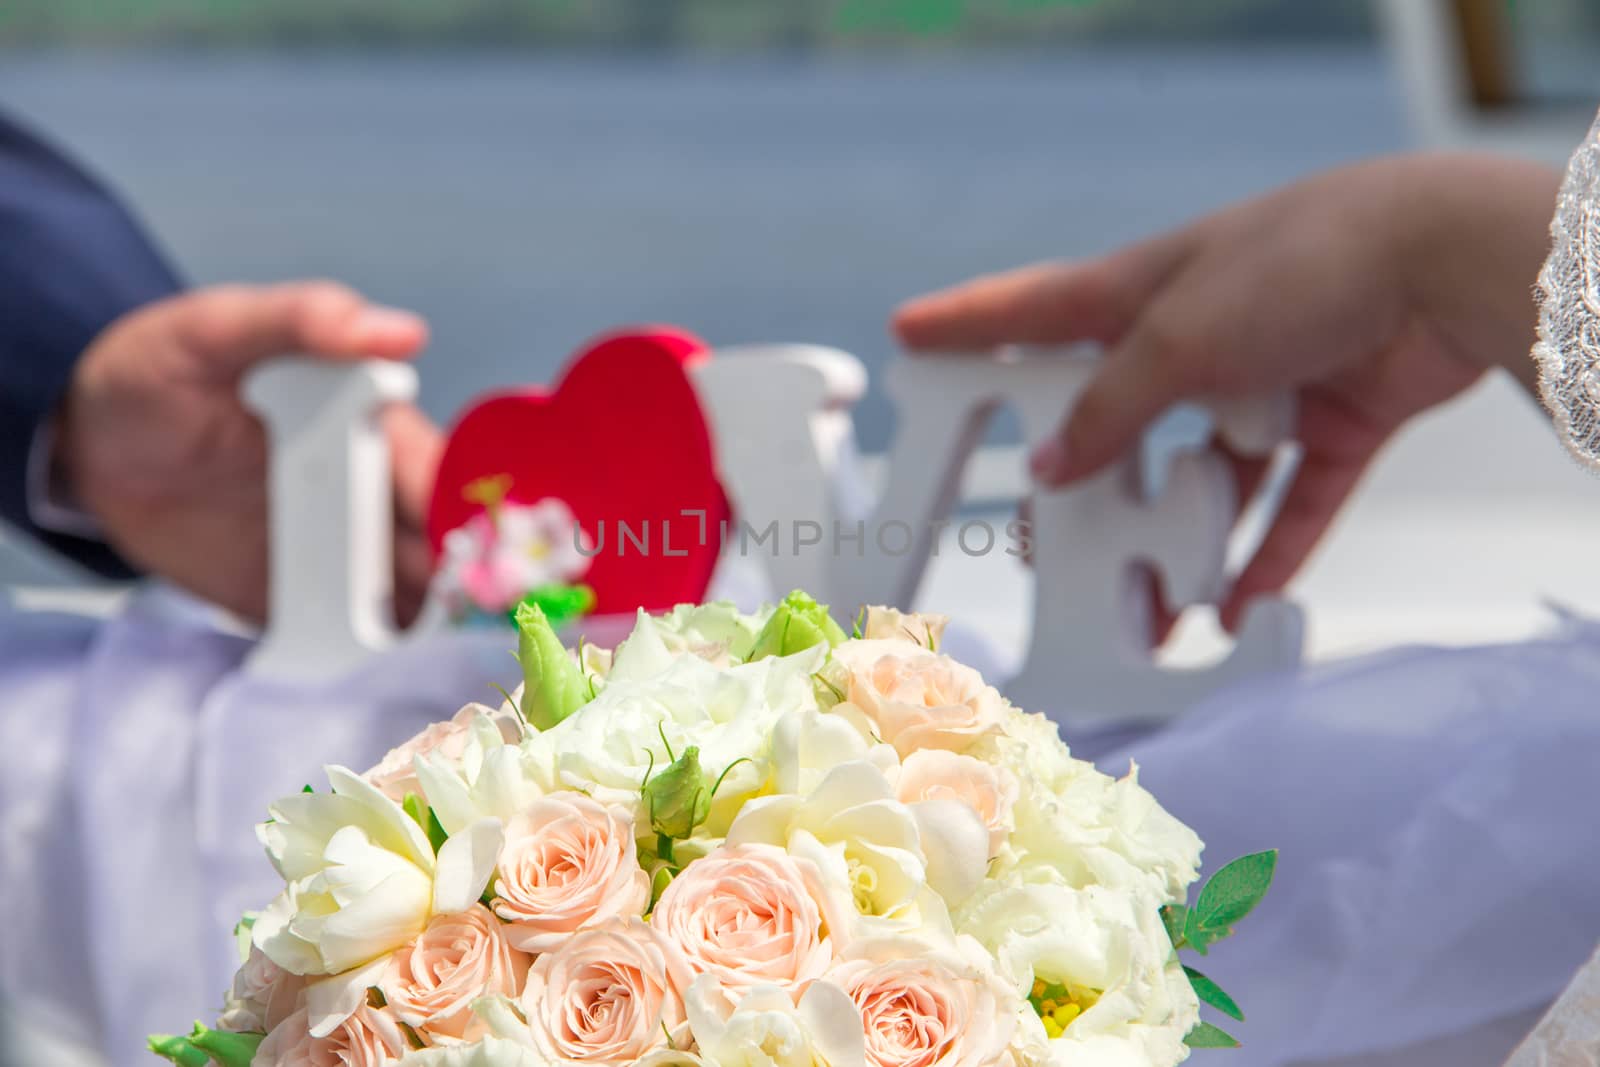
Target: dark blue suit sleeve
column 71, row 261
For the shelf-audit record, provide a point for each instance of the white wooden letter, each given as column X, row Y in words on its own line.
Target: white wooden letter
column 331, row 520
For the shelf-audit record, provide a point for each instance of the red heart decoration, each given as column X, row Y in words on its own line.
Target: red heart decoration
column 623, row 442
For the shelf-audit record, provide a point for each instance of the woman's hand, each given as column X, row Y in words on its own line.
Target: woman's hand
column 1374, row 292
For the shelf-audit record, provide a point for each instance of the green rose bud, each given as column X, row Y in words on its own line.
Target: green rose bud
column 679, row 798
column 204, row 1047
column 552, row 685
column 180, row 1050
column 798, row 623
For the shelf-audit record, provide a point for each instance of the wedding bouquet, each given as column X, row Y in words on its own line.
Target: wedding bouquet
column 737, row 840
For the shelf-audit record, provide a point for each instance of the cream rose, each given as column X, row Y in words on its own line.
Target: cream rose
column 609, row 995
column 883, row 855
column 362, row 879
column 919, row 628
column 768, row 1029
column 370, row 1037
column 1110, row 947
column 263, row 995
column 749, row 915
column 567, row 862
column 933, row 774
column 490, row 1052
column 918, row 699
column 431, row 983
column 930, row 1010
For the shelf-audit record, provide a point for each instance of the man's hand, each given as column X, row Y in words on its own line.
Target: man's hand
column 155, row 443
column 1373, row 293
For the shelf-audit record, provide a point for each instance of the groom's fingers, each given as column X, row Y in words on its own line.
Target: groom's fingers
column 415, row 447
column 231, row 327
column 1047, row 303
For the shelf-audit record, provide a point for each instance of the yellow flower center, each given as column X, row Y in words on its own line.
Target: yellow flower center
column 1060, row 1004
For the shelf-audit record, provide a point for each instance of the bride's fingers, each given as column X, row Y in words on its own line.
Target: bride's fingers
column 1337, row 448
column 1046, row 303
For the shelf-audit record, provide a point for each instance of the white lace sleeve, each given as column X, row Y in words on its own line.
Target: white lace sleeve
column 1568, row 352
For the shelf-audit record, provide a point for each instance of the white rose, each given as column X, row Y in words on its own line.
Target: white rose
column 767, row 1028
column 885, row 852
column 642, row 720
column 933, row 774
column 1109, row 949
column 716, row 632
column 362, row 879
column 490, row 1052
column 486, row 776
column 396, row 774
column 1082, row 825
column 807, row 745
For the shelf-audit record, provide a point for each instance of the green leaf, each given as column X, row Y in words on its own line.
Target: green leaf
column 424, row 817
column 1230, row 895
column 1205, row 1035
column 1211, row 993
column 1198, row 937
column 1172, row 917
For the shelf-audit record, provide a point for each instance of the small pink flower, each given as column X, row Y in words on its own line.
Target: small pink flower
column 749, row 915
column 369, row 1038
column 934, row 774
column 431, row 983
column 496, row 561
column 609, row 995
column 918, row 699
column 567, row 862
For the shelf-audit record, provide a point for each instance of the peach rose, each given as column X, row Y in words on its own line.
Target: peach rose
column 934, row 774
column 394, row 775
column 431, row 983
column 918, row 699
column 919, row 628
column 568, row 862
column 749, row 915
column 263, row 995
column 927, row 1012
column 369, row 1038
column 608, row 995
